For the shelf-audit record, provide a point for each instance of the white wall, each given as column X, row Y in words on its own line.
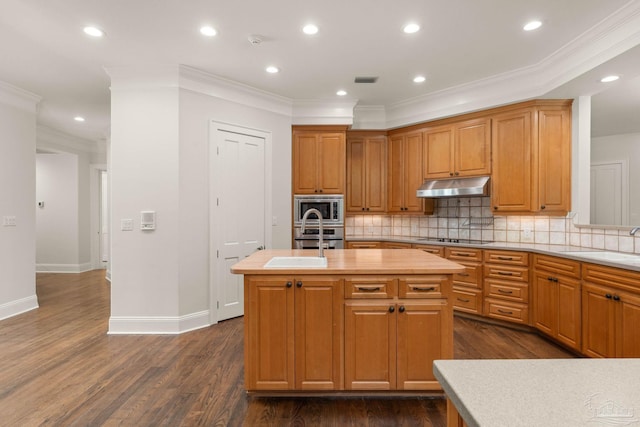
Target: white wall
column 17, row 198
column 622, row 147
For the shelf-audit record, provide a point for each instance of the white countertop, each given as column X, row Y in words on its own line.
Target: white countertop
column 543, row 392
column 576, row 253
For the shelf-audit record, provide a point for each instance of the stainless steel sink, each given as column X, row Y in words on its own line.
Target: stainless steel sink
column 296, row 262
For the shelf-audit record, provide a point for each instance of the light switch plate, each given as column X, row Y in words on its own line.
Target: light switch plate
column 9, row 221
column 126, row 224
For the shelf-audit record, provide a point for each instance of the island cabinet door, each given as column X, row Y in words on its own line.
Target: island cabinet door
column 370, row 345
column 598, row 321
column 627, row 324
column 269, row 333
column 318, row 333
column 423, row 337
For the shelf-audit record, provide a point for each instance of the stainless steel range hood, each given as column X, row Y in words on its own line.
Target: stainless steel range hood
column 455, row 187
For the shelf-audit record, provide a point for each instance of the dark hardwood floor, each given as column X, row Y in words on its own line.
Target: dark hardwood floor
column 60, row 368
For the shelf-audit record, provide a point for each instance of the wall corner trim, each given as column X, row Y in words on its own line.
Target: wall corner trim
column 13, row 308
column 158, row 325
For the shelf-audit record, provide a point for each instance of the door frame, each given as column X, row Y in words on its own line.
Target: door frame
column 214, row 126
column 95, row 212
column 624, row 186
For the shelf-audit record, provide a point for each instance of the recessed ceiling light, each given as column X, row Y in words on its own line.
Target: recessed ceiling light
column 411, row 28
column 310, row 29
column 341, row 92
column 533, row 25
column 271, row 69
column 78, row 119
column 208, row 31
column 609, row 79
column 419, row 79
column 93, row 31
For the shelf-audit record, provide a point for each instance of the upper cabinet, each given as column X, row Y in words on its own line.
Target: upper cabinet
column 532, row 159
column 458, row 149
column 319, row 160
column 366, row 172
column 404, row 175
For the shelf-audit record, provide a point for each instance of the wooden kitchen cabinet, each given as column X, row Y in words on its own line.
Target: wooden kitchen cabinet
column 392, row 340
column 458, row 150
column 531, row 150
column 291, row 316
column 319, row 160
column 404, row 174
column 364, row 245
column 366, row 172
column 467, row 285
column 556, row 299
column 610, row 312
column 506, row 285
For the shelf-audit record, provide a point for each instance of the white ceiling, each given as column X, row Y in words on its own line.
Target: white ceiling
column 44, row 50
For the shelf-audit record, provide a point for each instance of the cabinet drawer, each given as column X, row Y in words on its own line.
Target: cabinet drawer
column 511, row 311
column 421, row 287
column 436, row 250
column 506, row 257
column 396, row 245
column 504, row 289
column 471, row 276
column 467, row 300
column 557, row 265
column 364, row 245
column 506, row 272
column 462, row 254
column 627, row 280
column 370, row 287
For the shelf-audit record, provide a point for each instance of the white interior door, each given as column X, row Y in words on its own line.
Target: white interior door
column 609, row 194
column 239, row 213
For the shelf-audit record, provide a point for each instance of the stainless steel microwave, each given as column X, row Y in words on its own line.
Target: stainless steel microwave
column 331, row 206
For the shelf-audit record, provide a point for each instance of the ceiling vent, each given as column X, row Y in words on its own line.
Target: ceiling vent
column 366, row 79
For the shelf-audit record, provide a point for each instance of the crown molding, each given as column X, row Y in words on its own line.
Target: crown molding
column 52, row 139
column 320, row 112
column 19, row 98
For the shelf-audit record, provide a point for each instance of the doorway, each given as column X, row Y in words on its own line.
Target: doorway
column 609, row 193
column 239, row 208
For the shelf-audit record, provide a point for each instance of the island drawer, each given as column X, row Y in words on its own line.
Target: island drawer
column 510, row 311
column 467, row 300
column 506, row 257
column 370, row 287
column 421, row 287
column 506, row 272
column 462, row 254
column 508, row 290
column 471, row 276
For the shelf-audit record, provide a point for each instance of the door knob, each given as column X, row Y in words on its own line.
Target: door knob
column 260, row 248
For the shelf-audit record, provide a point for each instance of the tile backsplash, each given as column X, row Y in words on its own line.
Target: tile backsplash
column 471, row 218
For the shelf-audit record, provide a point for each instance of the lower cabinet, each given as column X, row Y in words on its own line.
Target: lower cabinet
column 293, row 336
column 467, row 285
column 391, row 342
column 506, row 285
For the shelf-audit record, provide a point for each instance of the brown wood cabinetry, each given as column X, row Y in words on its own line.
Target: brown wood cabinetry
column 531, row 150
column 467, row 285
column 366, row 172
column 432, row 249
column 610, row 312
column 393, row 337
column 404, row 174
column 289, row 317
column 319, row 160
column 506, row 285
column 363, row 245
column 556, row 299
column 459, row 149
column 396, row 245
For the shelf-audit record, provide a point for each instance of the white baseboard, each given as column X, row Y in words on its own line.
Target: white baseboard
column 13, row 308
column 158, row 325
column 63, row 268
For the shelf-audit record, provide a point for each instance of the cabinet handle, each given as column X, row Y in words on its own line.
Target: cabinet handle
column 457, row 173
column 299, row 284
column 450, row 173
column 463, row 274
column 362, row 208
column 505, row 258
column 502, row 291
column 460, row 254
column 463, row 300
column 419, row 289
column 363, row 289
column 607, row 296
column 505, row 312
column 543, row 207
column 550, row 279
column 495, row 208
column 289, row 284
column 321, row 190
column 505, row 273
column 616, row 298
column 401, row 309
column 367, row 208
column 392, row 309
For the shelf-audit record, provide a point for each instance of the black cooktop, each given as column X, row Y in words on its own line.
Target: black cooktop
column 463, row 241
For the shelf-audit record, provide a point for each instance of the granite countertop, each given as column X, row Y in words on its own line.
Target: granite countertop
column 351, row 261
column 577, row 253
column 543, row 392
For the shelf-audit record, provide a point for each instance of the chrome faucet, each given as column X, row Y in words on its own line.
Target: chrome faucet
column 633, row 230
column 320, row 229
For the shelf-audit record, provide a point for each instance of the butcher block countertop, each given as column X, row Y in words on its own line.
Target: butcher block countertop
column 352, row 261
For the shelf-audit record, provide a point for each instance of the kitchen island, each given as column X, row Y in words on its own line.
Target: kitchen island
column 371, row 321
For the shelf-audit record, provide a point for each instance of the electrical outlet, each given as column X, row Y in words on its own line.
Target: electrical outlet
column 369, row 230
column 527, row 233
column 9, row 221
column 126, row 224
